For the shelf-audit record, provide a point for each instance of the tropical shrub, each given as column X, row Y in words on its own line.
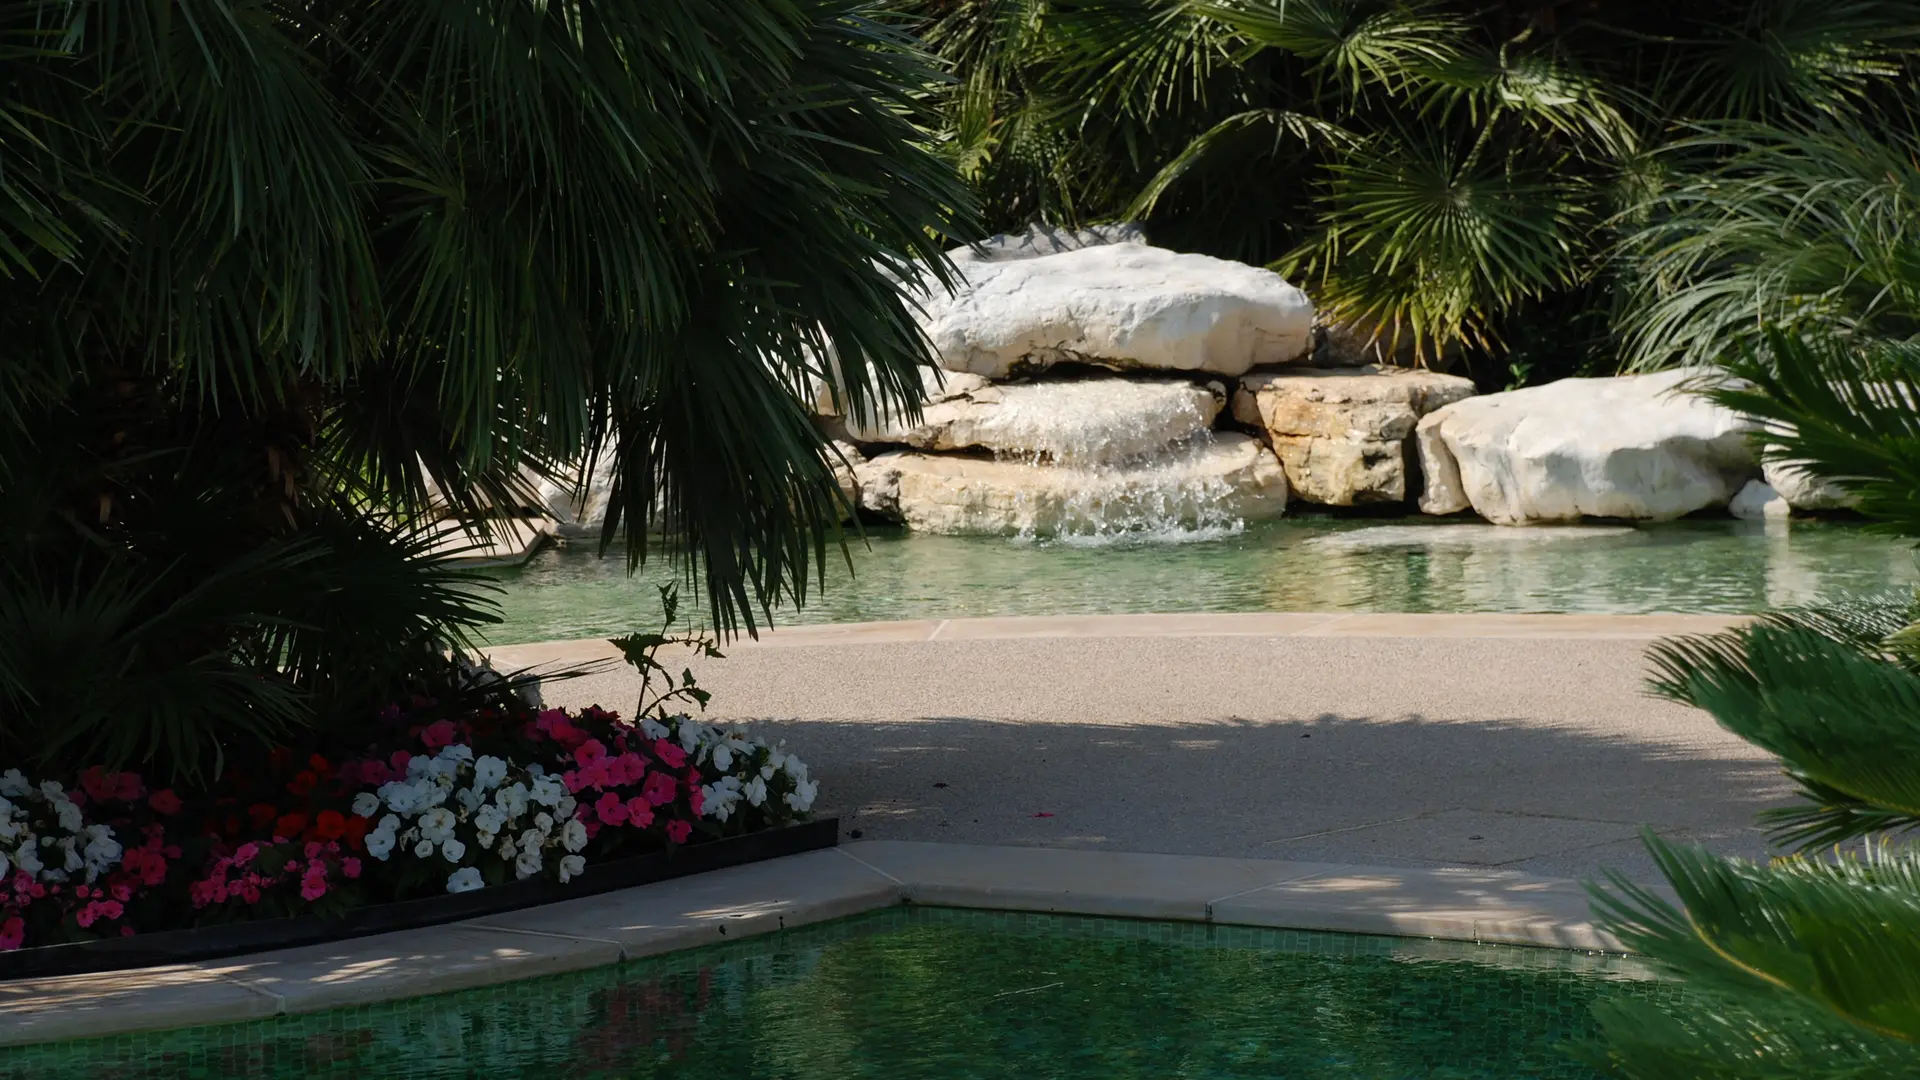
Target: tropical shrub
column 283, row 282
column 1439, row 172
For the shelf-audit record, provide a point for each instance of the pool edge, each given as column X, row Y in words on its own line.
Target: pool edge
column 1458, row 904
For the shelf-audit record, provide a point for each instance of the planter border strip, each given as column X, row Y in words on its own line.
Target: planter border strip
column 1475, row 905
column 235, row 939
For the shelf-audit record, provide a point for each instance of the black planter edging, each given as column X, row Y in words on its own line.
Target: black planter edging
column 233, row 939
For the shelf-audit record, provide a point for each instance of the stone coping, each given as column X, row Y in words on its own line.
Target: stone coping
column 1483, row 906
column 1241, row 624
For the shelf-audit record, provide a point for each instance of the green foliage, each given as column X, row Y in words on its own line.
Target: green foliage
column 642, row 653
column 281, row 282
column 1443, row 173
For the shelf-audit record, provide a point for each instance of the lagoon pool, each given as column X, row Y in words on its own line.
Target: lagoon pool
column 937, row 994
column 1303, row 563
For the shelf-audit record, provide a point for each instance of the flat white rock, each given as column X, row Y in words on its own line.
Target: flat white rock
column 1467, row 536
column 1758, row 502
column 1636, row 447
column 1215, row 481
column 1123, row 306
column 1080, row 421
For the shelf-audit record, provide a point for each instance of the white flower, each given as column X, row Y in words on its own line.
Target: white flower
column 766, row 772
column 528, row 863
column 488, row 772
column 722, row 758
column 755, row 791
column 566, row 808
column 548, row 791
column 543, row 821
column 51, row 791
column 489, row 819
column 802, row 796
column 536, row 770
column 484, row 839
column 465, row 879
column 437, row 824
column 68, row 814
column 573, row 837
column 423, row 849
column 653, row 729
column 569, row 866
column 689, row 734
column 452, row 849
column 366, row 804
column 13, row 784
column 507, row 849
column 512, row 799
column 28, row 859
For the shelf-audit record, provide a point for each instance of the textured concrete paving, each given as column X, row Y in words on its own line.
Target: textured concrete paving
column 1396, row 740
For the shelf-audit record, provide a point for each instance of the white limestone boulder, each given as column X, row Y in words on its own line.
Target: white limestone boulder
column 1804, row 491
column 1079, row 421
column 1342, row 433
column 576, row 513
column 1215, row 481
column 1757, row 501
column 1122, row 306
column 1636, row 447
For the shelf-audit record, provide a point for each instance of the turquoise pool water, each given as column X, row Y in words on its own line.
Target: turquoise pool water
column 932, row 994
column 1296, row 564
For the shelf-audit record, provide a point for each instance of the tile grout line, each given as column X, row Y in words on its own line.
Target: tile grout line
column 279, row 1001
column 870, row 866
column 1356, row 828
column 495, row 929
column 936, row 630
column 1276, row 884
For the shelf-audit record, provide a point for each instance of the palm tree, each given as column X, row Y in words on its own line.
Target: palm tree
column 1440, row 172
column 1807, row 966
column 276, row 271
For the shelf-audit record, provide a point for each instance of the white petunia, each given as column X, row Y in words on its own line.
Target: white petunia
column 573, row 836
column 465, row 879
column 366, row 804
column 452, row 849
column 755, row 791
column 543, row 821
column 423, row 849
column 565, row 808
column 653, row 729
column 548, row 791
column 569, row 866
column 28, row 859
column 527, row 863
column 484, row 839
column 68, row 814
column 488, row 772
column 722, row 758
column 437, row 824
column 512, row 799
column 13, row 784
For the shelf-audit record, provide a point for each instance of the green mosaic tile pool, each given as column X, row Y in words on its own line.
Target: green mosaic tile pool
column 943, row 995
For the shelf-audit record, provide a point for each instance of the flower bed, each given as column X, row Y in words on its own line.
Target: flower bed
column 438, row 804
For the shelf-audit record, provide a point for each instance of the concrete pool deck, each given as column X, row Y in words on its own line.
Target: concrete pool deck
column 1427, row 776
column 1514, row 742
column 1488, row 907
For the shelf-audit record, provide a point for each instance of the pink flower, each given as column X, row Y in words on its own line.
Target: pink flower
column 399, row 760
column 639, row 814
column 589, row 752
column 611, row 809
column 244, row 854
column 85, row 916
column 13, row 933
column 628, row 768
column 696, row 798
column 678, row 831
column 164, row 801
column 659, row 789
column 126, row 931
column 127, row 787
column 122, row 892
column 312, row 889
column 350, row 866
column 670, row 755
column 437, row 734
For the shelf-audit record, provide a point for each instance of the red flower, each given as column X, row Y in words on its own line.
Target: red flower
column 437, row 734
column 303, row 782
column 290, row 825
column 331, row 825
column 262, row 814
column 356, row 831
column 319, row 764
column 678, row 831
column 164, row 801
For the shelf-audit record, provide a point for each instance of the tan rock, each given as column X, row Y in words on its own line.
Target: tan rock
column 1341, row 433
column 1214, row 481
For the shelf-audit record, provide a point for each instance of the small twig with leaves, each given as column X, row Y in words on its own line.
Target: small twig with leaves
column 642, row 652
